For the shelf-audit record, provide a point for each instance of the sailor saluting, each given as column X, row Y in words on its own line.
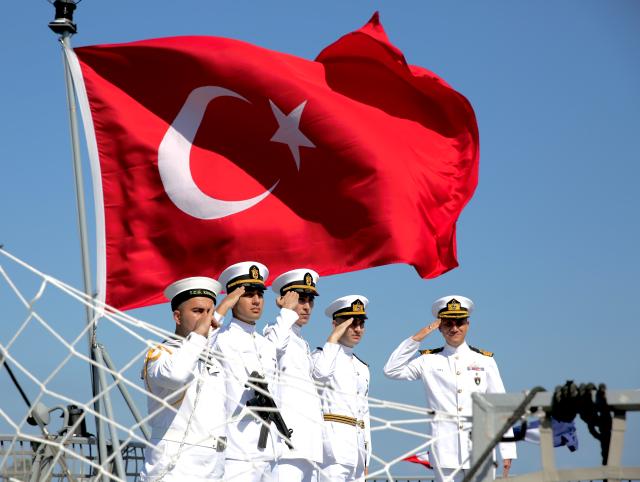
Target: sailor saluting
column 450, row 375
column 244, row 351
column 345, row 403
column 296, row 392
column 188, row 439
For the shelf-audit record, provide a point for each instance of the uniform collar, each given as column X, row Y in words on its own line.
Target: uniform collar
column 450, row 350
column 246, row 327
column 347, row 349
column 297, row 329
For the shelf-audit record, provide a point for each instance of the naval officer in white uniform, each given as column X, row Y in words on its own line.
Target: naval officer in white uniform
column 450, row 375
column 296, row 392
column 186, row 391
column 345, row 404
column 243, row 351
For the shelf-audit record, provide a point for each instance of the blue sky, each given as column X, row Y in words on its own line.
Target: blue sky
column 547, row 246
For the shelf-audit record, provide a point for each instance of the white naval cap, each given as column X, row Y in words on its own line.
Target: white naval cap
column 348, row 306
column 302, row 280
column 249, row 274
column 181, row 290
column 452, row 306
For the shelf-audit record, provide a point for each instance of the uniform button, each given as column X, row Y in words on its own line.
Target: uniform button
column 457, row 357
column 459, row 390
column 458, row 372
column 460, row 426
column 459, row 409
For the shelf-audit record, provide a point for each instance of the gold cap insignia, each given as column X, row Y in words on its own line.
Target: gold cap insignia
column 308, row 279
column 254, row 272
column 453, row 305
column 357, row 306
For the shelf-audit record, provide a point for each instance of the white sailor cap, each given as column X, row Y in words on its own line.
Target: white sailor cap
column 301, row 280
column 452, row 306
column 249, row 274
column 192, row 287
column 348, row 306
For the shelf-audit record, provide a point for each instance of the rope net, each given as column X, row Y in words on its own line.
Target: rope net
column 50, row 417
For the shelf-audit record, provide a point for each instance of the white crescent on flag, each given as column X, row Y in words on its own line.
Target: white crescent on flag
column 174, row 154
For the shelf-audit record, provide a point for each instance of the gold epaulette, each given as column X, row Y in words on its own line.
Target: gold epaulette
column 152, row 355
column 481, row 351
column 432, row 351
column 155, row 352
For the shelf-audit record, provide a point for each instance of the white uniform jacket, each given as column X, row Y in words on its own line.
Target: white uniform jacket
column 174, row 371
column 243, row 351
column 297, row 395
column 450, row 375
column 345, row 393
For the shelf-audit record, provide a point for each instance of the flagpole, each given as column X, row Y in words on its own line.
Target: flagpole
column 66, row 29
column 63, row 26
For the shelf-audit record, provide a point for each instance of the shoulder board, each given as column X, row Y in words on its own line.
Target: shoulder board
column 432, row 351
column 155, row 352
column 319, row 348
column 481, row 351
column 362, row 361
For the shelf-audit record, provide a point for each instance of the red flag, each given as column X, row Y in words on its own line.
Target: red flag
column 421, row 458
column 213, row 151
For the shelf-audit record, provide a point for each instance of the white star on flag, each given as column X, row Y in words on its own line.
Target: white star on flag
column 289, row 130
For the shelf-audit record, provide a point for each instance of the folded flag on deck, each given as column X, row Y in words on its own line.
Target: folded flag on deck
column 209, row 151
column 564, row 433
column 421, row 458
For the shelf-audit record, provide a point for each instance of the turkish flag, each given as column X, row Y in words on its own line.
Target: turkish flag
column 421, row 458
column 214, row 151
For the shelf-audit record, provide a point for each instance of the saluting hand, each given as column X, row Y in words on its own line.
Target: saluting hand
column 422, row 334
column 289, row 300
column 434, row 326
column 230, row 301
column 339, row 330
column 204, row 322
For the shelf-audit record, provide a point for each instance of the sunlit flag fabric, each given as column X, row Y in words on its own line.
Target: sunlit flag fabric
column 212, row 151
column 421, row 458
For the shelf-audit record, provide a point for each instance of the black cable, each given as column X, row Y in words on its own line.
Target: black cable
column 597, row 416
column 570, row 400
column 15, row 381
column 3, row 361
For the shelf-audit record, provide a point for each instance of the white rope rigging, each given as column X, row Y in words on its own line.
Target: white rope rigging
column 57, row 376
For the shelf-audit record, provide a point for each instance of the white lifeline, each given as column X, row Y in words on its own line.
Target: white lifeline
column 299, row 403
column 345, row 393
column 450, row 377
column 244, row 351
column 171, row 372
